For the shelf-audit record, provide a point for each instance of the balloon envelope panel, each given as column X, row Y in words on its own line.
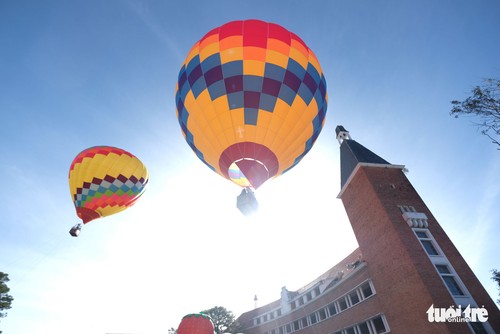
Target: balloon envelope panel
column 251, row 90
column 196, row 323
column 104, row 180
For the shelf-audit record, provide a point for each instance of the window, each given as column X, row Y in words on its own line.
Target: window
column 281, row 330
column 279, row 312
column 317, row 292
column 308, row 296
column 429, row 247
column 378, row 324
column 350, row 330
column 332, row 309
column 363, row 328
column 322, row 314
column 342, row 304
column 426, row 241
column 353, row 296
column 288, row 328
column 373, row 326
column 296, row 325
column 445, row 270
column 449, row 279
column 421, row 234
column 367, row 290
column 478, row 328
column 313, row 318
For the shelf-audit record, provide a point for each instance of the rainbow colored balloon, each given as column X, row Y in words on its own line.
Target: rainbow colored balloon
column 251, row 100
column 104, row 180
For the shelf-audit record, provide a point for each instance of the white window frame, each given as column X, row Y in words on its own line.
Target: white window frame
column 441, row 259
column 429, row 238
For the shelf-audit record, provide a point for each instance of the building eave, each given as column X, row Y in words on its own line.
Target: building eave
column 365, row 164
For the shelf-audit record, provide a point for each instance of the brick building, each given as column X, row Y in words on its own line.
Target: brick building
column 404, row 270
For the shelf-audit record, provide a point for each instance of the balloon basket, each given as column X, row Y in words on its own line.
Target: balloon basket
column 75, row 230
column 246, row 202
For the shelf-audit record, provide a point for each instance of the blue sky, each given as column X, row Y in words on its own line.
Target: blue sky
column 75, row 74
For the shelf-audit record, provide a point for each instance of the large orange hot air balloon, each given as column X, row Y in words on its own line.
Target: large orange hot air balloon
column 251, row 101
column 105, row 180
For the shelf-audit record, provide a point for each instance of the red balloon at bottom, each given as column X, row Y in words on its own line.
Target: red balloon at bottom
column 196, row 323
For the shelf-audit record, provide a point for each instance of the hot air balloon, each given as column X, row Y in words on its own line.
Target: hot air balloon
column 104, row 180
column 251, row 101
column 196, row 323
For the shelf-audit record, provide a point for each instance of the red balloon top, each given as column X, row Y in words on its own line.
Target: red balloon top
column 196, row 323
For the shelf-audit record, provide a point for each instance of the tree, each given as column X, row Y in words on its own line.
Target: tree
column 5, row 298
column 484, row 103
column 224, row 320
column 496, row 278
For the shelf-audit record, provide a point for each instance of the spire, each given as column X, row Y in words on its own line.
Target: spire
column 353, row 153
column 342, row 134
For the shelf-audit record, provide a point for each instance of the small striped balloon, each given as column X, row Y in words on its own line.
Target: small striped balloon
column 105, row 180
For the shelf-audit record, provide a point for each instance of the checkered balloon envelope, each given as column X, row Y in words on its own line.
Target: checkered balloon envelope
column 251, row 100
column 105, row 180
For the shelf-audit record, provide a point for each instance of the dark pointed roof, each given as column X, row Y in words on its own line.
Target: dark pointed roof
column 352, row 153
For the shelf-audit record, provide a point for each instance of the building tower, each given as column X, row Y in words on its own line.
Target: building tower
column 404, row 271
column 411, row 261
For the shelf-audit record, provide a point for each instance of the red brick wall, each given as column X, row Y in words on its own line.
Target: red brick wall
column 407, row 283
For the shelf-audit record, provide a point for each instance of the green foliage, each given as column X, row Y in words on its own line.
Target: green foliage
column 483, row 104
column 223, row 320
column 496, row 278
column 5, row 298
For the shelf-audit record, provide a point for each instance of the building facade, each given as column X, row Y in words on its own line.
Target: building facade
column 406, row 276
